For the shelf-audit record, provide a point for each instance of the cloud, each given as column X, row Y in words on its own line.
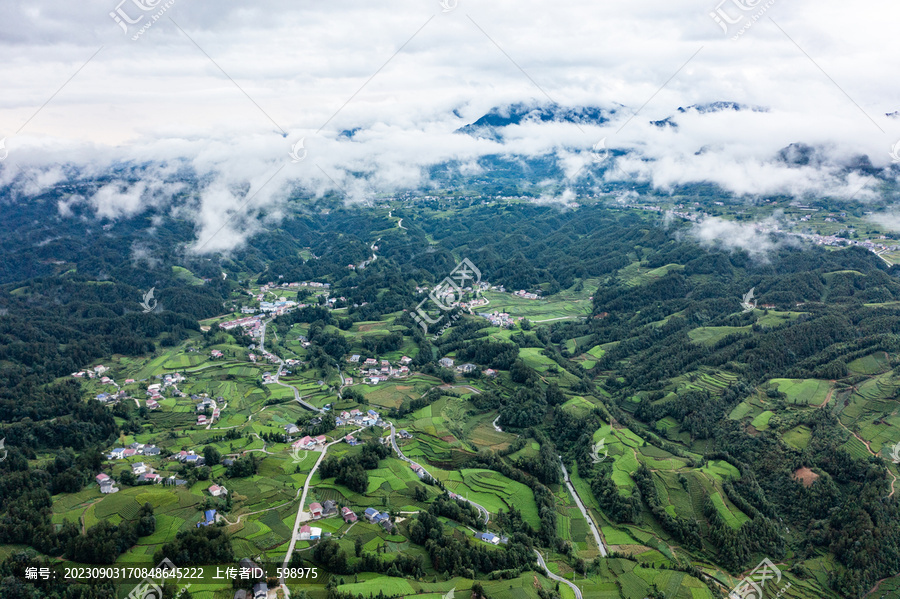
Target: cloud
column 757, row 239
column 408, row 75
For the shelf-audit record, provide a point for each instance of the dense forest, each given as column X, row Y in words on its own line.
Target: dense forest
column 76, row 299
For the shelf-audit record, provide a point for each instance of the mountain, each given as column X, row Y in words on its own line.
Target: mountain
column 491, row 125
column 708, row 108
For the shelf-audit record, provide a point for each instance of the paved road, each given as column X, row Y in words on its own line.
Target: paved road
column 262, row 349
column 553, row 576
column 591, row 524
column 393, row 438
column 300, row 515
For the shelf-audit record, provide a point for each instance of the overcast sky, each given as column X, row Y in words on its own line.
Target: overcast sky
column 219, row 82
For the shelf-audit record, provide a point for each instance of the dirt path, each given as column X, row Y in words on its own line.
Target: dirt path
column 827, row 397
column 84, row 511
column 241, row 517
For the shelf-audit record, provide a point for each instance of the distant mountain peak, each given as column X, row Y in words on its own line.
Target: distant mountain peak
column 707, row 108
column 491, row 124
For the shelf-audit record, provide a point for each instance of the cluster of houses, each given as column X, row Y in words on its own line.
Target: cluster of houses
column 526, row 295
column 120, row 453
column 420, row 472
column 310, row 533
column 357, row 417
column 145, row 473
column 381, row 518
column 323, row 510
column 374, row 372
column 465, row 368
column 251, row 324
column 265, row 288
column 309, row 443
column 96, row 371
column 111, row 397
column 209, row 408
column 155, row 391
column 107, row 484
column 498, row 319
column 188, row 457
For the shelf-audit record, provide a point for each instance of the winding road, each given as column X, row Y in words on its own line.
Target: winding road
column 591, row 524
column 553, row 576
column 393, row 438
column 262, row 349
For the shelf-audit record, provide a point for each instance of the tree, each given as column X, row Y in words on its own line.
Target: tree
column 211, row 455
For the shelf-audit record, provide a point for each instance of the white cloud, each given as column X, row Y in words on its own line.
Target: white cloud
column 307, row 68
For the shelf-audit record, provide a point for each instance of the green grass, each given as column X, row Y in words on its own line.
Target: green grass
column 805, row 392
column 761, row 422
column 798, row 437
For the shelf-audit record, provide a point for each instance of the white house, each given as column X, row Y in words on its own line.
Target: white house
column 217, row 491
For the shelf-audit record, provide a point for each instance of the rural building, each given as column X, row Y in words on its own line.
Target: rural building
column 315, row 508
column 329, row 508
column 306, row 442
column 210, row 518
column 304, row 532
column 371, row 513
column 348, row 515
column 217, row 491
column 260, row 590
column 489, row 537
column 446, row 362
